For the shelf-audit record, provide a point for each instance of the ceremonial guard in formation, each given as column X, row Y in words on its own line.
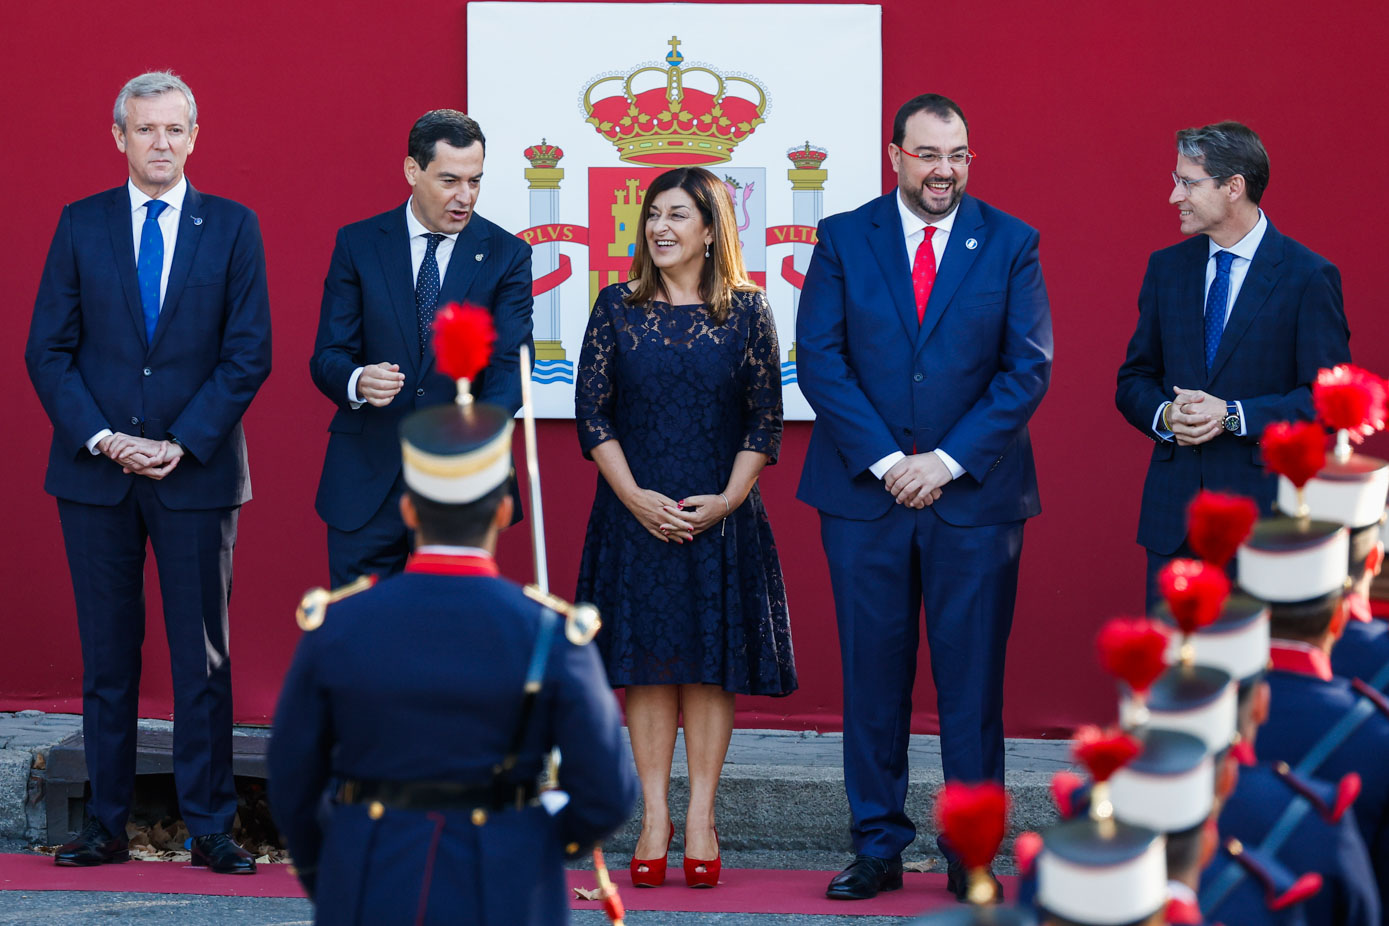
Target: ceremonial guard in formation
column 416, row 720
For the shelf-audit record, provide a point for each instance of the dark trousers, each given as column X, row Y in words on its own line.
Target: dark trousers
column 882, row 572
column 379, row 547
column 193, row 552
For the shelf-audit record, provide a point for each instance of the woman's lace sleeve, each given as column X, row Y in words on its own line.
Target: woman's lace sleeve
column 762, row 396
column 594, row 386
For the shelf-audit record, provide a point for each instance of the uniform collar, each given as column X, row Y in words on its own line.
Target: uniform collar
column 1300, row 659
column 1359, row 608
column 441, row 560
column 1182, row 907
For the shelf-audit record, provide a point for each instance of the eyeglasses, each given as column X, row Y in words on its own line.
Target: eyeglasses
column 1188, row 184
column 931, row 159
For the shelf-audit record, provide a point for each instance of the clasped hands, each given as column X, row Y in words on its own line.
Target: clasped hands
column 917, row 480
column 1195, row 417
column 142, row 456
column 679, row 521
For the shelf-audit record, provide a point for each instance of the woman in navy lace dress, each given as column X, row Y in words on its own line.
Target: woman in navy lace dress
column 678, row 401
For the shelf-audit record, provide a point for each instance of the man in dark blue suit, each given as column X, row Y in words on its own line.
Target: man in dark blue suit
column 427, row 707
column 150, row 337
column 1233, row 326
column 373, row 355
column 924, row 346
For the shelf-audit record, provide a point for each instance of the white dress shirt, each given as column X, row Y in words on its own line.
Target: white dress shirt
column 168, row 227
column 1239, row 269
column 913, row 230
column 419, row 245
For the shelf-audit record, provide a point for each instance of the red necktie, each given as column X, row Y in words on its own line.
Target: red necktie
column 924, row 272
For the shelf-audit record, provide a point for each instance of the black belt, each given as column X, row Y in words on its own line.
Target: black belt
column 436, row 795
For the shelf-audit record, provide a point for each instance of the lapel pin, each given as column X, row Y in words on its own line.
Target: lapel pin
column 477, row 257
column 972, row 243
column 197, row 220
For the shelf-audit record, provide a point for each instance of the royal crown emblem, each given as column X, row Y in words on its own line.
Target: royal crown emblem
column 544, row 154
column 658, row 120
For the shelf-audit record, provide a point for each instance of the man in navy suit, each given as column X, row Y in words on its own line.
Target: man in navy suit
column 1233, row 326
column 150, row 337
column 374, row 356
column 924, row 346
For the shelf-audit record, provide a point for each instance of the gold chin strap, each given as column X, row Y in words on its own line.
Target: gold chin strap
column 313, row 607
column 581, row 621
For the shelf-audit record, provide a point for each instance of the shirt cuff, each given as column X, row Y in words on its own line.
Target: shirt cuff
column 1243, row 425
column 352, row 388
column 879, row 469
column 1158, row 429
column 956, row 470
column 97, row 438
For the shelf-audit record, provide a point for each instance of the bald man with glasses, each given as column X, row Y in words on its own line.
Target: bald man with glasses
column 1233, row 325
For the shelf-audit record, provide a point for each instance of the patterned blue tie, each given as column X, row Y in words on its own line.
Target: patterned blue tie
column 427, row 289
column 1216, row 301
column 150, row 268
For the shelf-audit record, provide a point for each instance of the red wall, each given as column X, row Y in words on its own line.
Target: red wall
column 305, row 107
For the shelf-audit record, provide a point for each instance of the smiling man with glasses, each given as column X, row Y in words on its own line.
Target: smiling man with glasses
column 924, row 346
column 1233, row 325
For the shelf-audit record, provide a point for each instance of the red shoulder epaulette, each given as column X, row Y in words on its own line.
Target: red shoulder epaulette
column 1347, row 790
column 1063, row 789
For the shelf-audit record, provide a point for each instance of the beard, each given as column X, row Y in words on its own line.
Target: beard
column 916, row 199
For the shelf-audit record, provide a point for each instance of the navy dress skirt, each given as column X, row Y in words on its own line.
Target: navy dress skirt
column 683, row 396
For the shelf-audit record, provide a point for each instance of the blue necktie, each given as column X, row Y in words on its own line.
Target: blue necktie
column 427, row 289
column 150, row 268
column 1216, row 301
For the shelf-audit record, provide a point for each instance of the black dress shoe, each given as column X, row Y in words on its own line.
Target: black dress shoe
column 957, row 882
column 865, row 878
column 93, row 846
column 221, row 853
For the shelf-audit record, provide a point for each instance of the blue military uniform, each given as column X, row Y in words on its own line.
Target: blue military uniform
column 1364, row 646
column 1307, row 700
column 421, row 678
column 1267, row 895
column 1331, row 847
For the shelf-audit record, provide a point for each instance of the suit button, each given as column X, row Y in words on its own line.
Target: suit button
column 134, row 420
column 918, row 377
column 419, row 392
column 148, row 371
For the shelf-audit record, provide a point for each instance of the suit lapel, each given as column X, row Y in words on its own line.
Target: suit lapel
column 119, row 223
column 190, row 230
column 393, row 246
column 890, row 249
column 1190, row 314
column 469, row 254
column 955, row 263
column 1258, row 283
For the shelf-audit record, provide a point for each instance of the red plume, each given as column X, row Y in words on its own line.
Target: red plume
column 973, row 819
column 1064, row 785
column 1195, row 592
column 1104, row 752
column 1132, row 650
column 1351, row 399
column 463, row 338
column 1218, row 523
column 1025, row 851
column 1297, row 451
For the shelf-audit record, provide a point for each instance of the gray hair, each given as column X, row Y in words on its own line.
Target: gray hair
column 1226, row 149
column 154, row 83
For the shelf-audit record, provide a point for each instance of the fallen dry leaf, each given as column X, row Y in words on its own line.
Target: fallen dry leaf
column 925, row 864
column 584, row 893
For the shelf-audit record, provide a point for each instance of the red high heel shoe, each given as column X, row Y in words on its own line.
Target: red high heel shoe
column 655, row 874
column 709, row 877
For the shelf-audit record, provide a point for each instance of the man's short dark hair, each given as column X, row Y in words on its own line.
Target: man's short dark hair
column 457, row 525
column 1303, row 620
column 442, row 125
column 942, row 107
column 1225, row 149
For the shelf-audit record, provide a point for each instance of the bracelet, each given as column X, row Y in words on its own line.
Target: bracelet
column 727, row 510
